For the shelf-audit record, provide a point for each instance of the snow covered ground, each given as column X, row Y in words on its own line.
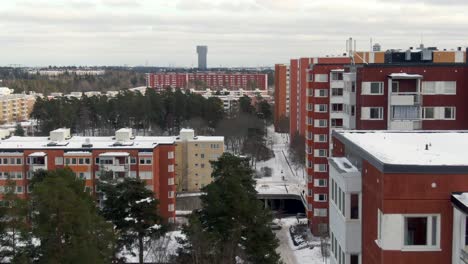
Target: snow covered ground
column 158, row 251
column 285, row 178
column 291, row 254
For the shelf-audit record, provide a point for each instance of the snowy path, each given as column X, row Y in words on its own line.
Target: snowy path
column 293, row 181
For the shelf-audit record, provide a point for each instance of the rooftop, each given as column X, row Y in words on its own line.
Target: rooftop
column 419, row 148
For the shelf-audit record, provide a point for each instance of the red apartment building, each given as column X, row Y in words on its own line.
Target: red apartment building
column 211, row 80
column 399, row 197
column 399, row 96
column 281, row 94
column 151, row 159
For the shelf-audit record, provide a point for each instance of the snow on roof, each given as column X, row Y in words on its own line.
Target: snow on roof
column 403, row 75
column 462, row 198
column 114, row 154
column 76, row 143
column 344, row 164
column 444, row 148
column 38, row 154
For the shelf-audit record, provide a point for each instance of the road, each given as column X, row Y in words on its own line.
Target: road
column 286, row 253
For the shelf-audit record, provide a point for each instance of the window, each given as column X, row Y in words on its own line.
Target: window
column 337, row 107
column 376, row 112
column 73, row 161
column 309, row 135
column 309, row 192
column 320, row 122
column 146, row 161
column 146, row 175
column 321, row 92
column 320, row 152
column 354, row 259
column 310, row 121
column 449, row 113
column 337, row 91
column 170, row 168
column 170, row 181
column 214, row 146
column 170, row 207
column 379, row 224
column 395, row 87
column 320, row 182
column 133, row 160
column 320, row 197
column 202, row 165
column 321, row 78
column 81, row 161
column 310, row 107
column 170, row 155
column 321, row 108
column 421, row 231
column 19, row 189
column 202, row 156
column 372, row 88
column 440, row 87
column 336, row 76
column 371, row 113
column 96, row 161
column 320, row 167
column 354, row 213
column 170, row 194
column 428, row 113
column 309, row 207
column 322, row 212
column 88, row 161
column 321, row 138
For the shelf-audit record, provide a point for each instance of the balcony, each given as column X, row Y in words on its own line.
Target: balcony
column 405, row 125
column 114, row 167
column 408, row 99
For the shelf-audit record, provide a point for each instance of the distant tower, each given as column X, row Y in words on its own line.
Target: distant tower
column 376, row 47
column 202, row 52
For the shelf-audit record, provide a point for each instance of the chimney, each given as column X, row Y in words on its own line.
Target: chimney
column 459, row 48
column 427, row 147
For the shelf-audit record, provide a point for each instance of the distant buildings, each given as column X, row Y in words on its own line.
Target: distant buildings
column 202, row 52
column 67, row 71
column 210, row 80
column 398, row 197
column 15, row 107
column 193, row 156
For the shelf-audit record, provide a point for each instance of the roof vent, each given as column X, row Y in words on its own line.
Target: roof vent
column 60, row 135
column 123, row 134
column 87, row 143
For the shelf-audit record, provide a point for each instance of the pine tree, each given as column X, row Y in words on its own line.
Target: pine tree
column 133, row 210
column 232, row 223
column 67, row 223
column 19, row 131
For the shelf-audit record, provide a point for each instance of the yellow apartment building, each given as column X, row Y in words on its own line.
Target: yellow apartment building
column 193, row 155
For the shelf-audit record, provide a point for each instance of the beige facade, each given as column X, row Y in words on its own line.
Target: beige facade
column 16, row 107
column 193, row 155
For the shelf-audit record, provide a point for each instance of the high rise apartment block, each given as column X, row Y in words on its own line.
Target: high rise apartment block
column 416, row 89
column 210, row 80
column 282, row 93
column 15, row 107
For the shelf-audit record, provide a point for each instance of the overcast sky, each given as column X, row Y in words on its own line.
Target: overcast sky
column 237, row 32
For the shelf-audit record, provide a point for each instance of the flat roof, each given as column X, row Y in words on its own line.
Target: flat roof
column 77, row 142
column 405, row 151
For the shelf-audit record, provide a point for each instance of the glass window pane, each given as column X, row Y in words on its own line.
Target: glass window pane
column 434, row 230
column 416, row 231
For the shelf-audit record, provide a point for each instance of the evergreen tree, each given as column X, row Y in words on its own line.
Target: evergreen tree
column 232, row 223
column 67, row 223
column 133, row 210
column 14, row 230
column 19, row 131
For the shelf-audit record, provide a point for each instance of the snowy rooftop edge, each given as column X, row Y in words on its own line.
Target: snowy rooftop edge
column 444, row 148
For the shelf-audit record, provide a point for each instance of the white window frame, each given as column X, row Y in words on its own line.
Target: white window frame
column 366, row 113
column 321, row 78
column 170, row 207
column 453, row 110
column 424, row 115
column 321, row 123
column 321, row 108
column 435, row 247
column 439, row 87
column 320, row 182
column 320, row 212
column 321, row 93
column 170, row 168
column 170, row 155
column 320, row 153
column 170, row 181
column 320, row 137
column 366, row 88
column 320, row 197
column 170, row 194
column 320, row 167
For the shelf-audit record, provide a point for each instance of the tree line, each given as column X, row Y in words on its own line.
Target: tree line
column 152, row 113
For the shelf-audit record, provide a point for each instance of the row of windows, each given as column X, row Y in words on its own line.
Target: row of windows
column 338, row 197
column 442, row 87
column 12, row 175
column 410, row 113
column 11, row 161
column 317, row 137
